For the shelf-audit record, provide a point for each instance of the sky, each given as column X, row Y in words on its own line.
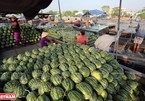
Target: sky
column 132, row 5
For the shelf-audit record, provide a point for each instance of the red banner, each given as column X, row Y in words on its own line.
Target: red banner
column 7, row 96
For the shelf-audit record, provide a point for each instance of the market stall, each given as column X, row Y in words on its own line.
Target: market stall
column 66, row 71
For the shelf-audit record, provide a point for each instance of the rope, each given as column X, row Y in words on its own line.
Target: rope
column 127, row 41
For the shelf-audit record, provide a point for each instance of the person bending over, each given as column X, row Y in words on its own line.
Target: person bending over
column 81, row 38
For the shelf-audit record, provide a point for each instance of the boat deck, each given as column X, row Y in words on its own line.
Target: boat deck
column 13, row 51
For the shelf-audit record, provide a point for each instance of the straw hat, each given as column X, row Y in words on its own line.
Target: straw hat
column 12, row 17
column 44, row 34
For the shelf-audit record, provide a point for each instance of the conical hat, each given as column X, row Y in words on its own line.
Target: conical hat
column 44, row 34
column 14, row 17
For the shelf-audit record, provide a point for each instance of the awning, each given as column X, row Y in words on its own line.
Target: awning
column 94, row 12
column 29, row 8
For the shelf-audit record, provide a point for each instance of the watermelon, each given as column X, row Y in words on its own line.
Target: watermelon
column 73, row 69
column 36, row 73
column 75, row 96
column 46, row 68
column 43, row 98
column 44, row 87
column 94, row 97
column 56, row 79
column 31, row 96
column 12, row 67
column 104, row 83
column 10, row 86
column 84, row 71
column 92, row 81
column 6, row 76
column 76, row 77
column 97, row 75
column 85, row 89
column 66, row 74
column 24, row 78
column 68, row 84
column 34, row 83
column 45, row 76
column 55, row 71
column 104, row 94
column 15, row 75
column 57, row 93
column 63, row 67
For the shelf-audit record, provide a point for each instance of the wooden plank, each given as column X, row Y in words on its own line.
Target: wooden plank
column 140, row 76
column 130, row 57
column 56, row 40
column 134, row 60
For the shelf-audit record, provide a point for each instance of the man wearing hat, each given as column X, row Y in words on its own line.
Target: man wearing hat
column 16, row 29
column 44, row 41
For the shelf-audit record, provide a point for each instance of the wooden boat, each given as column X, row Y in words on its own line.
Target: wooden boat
column 95, row 30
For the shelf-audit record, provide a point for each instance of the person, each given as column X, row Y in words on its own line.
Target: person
column 82, row 39
column 77, row 23
column 44, row 41
column 138, row 19
column 87, row 24
column 130, row 20
column 139, row 36
column 92, row 22
column 104, row 41
column 16, row 29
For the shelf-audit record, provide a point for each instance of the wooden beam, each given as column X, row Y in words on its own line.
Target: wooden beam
column 140, row 76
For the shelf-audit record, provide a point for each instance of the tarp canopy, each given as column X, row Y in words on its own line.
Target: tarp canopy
column 29, row 8
column 94, row 12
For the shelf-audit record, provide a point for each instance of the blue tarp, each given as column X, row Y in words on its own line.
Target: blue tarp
column 94, row 12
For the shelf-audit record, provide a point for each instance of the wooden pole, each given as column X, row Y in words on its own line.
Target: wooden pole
column 118, row 28
column 59, row 10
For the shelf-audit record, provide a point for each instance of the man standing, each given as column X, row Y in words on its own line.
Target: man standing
column 139, row 37
column 82, row 39
column 130, row 21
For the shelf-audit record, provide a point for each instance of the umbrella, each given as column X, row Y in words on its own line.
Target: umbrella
column 29, row 8
column 94, row 12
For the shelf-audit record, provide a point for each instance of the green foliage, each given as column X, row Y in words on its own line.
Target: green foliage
column 69, row 13
column 84, row 11
column 106, row 8
column 53, row 12
column 115, row 12
column 142, row 15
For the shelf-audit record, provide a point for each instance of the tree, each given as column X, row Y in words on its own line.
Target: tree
column 74, row 12
column 125, row 14
column 84, row 11
column 53, row 12
column 67, row 13
column 106, row 8
column 115, row 12
column 142, row 15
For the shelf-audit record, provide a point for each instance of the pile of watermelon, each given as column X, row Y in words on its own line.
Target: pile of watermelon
column 69, row 35
column 28, row 35
column 67, row 72
column 6, row 37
